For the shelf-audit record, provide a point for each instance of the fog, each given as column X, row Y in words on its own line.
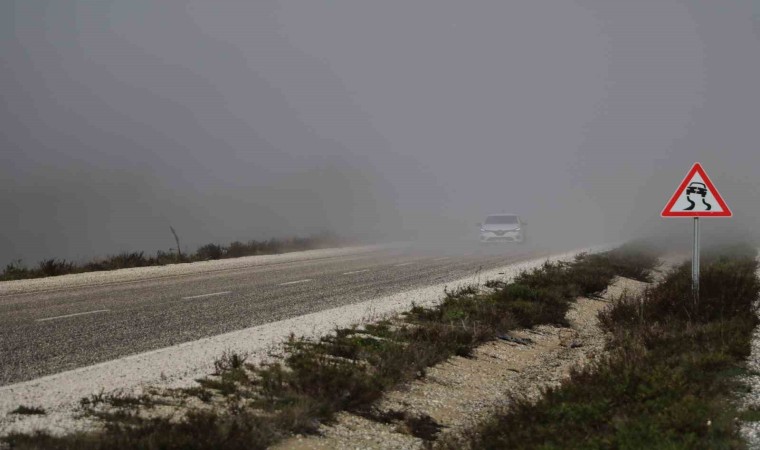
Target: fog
column 387, row 120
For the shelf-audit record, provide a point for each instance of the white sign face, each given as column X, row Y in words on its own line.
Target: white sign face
column 696, row 197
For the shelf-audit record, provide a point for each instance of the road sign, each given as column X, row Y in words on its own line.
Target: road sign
column 696, row 196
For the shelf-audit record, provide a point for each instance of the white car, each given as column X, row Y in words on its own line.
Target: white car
column 502, row 228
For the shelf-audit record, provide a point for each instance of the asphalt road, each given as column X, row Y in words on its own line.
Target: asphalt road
column 51, row 331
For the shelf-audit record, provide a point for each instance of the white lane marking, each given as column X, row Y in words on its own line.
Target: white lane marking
column 356, row 271
column 72, row 315
column 404, row 264
column 295, row 282
column 206, row 295
column 442, row 259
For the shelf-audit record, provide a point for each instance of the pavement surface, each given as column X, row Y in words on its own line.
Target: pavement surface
column 80, row 323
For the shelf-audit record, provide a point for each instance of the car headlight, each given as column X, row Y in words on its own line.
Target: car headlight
column 482, row 230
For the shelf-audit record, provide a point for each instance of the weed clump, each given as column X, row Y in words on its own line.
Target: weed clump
column 29, row 411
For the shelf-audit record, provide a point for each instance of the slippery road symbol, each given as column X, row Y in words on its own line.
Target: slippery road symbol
column 696, row 196
column 696, row 188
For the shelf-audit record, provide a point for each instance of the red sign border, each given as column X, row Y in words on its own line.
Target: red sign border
column 696, row 168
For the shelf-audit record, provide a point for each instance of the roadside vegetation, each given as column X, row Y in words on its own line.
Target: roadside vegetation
column 29, row 411
column 253, row 406
column 672, row 372
column 54, row 267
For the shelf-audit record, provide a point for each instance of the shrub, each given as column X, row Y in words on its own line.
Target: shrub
column 209, row 251
column 16, row 271
column 237, row 249
column 53, row 267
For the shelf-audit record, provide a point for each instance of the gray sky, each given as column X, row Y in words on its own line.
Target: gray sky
column 252, row 119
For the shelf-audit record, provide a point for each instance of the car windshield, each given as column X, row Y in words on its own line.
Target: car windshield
column 501, row 220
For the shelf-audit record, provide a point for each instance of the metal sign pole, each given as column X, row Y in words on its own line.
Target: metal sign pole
column 695, row 261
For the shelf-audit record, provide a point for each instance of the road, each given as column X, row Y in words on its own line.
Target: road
column 45, row 332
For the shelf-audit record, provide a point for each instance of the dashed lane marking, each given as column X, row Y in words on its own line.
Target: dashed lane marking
column 295, row 282
column 356, row 271
column 73, row 315
column 206, row 295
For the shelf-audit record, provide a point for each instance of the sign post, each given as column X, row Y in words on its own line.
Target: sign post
column 696, row 197
column 695, row 260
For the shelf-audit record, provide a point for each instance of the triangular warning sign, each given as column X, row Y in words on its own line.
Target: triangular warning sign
column 696, row 197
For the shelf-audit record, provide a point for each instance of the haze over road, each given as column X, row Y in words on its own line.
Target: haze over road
column 48, row 331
